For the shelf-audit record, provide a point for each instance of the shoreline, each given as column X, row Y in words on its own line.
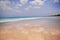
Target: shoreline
column 21, row 19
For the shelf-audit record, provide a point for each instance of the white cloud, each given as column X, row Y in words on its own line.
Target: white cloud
column 55, row 1
column 23, row 1
column 17, row 11
column 37, row 2
column 29, row 7
column 17, row 6
column 5, row 7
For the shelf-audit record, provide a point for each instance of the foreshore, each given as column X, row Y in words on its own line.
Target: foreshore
column 35, row 29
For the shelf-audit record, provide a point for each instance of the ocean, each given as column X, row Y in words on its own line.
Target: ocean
column 27, row 18
column 16, row 18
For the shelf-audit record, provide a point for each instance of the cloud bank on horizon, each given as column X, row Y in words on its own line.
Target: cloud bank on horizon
column 16, row 8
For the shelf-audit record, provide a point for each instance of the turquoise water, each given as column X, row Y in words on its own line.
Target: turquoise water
column 13, row 18
column 1, row 19
column 25, row 18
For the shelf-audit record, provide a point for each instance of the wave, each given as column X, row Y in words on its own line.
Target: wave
column 18, row 19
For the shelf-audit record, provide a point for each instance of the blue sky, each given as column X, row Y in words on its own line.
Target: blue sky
column 16, row 8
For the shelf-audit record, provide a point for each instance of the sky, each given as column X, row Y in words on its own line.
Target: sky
column 17, row 8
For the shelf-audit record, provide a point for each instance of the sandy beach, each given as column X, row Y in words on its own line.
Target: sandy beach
column 36, row 29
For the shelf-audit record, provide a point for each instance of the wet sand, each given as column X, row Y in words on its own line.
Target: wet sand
column 36, row 29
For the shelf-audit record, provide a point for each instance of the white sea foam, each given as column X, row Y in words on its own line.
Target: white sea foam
column 18, row 19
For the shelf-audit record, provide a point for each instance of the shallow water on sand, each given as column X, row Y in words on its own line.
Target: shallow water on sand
column 35, row 29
